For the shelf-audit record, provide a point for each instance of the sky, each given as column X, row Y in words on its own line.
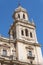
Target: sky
column 34, row 9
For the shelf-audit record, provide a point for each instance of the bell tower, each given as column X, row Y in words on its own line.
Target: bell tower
column 22, row 28
column 23, row 33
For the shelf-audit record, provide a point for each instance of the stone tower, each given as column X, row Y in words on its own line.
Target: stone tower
column 23, row 33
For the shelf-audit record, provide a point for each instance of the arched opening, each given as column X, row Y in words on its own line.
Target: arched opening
column 22, row 32
column 26, row 32
column 18, row 15
column 23, row 16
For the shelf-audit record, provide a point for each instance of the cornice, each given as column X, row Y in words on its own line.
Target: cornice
column 3, row 39
column 18, row 40
column 4, row 61
column 25, row 22
column 22, row 21
column 28, row 43
column 7, row 40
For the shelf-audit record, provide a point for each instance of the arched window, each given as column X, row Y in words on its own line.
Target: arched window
column 26, row 32
column 31, row 34
column 23, row 16
column 22, row 32
column 18, row 15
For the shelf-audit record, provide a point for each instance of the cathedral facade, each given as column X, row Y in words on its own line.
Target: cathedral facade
column 22, row 46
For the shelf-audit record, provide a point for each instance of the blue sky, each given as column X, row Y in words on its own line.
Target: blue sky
column 34, row 9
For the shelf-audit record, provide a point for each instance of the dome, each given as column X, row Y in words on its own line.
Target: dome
column 20, row 9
